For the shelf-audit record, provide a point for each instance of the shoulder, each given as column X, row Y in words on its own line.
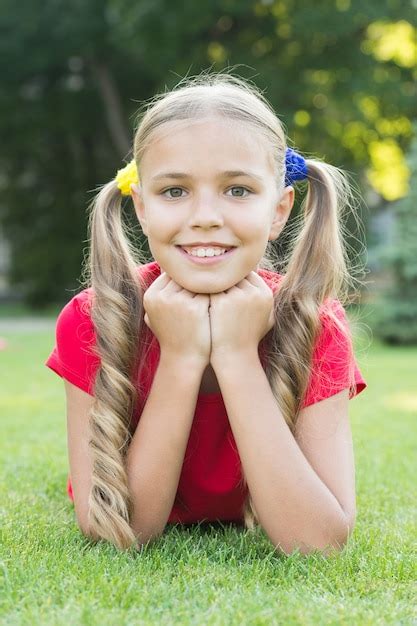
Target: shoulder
column 334, row 366
column 74, row 320
column 80, row 304
column 334, row 326
column 331, row 312
column 73, row 356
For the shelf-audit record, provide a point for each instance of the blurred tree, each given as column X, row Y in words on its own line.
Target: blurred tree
column 395, row 317
column 74, row 73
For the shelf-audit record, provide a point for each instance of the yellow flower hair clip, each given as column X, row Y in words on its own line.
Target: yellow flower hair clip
column 127, row 176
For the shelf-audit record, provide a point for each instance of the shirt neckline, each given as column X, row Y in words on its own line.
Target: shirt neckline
column 210, row 397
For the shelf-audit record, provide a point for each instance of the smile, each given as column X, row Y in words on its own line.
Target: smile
column 208, row 260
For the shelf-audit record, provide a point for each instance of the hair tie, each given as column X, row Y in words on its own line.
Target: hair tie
column 295, row 167
column 127, row 176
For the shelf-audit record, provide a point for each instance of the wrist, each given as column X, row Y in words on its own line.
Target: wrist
column 226, row 360
column 186, row 362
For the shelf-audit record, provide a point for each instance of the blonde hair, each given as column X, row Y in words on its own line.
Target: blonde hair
column 315, row 269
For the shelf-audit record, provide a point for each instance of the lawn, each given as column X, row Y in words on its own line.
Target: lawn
column 203, row 575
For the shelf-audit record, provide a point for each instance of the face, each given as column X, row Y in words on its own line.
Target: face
column 190, row 191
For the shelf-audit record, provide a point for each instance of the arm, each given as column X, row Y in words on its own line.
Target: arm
column 156, row 452
column 295, row 507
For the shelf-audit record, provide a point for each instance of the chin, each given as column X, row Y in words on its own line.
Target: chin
column 204, row 289
column 213, row 291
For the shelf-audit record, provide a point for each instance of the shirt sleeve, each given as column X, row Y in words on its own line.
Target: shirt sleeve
column 334, row 366
column 72, row 357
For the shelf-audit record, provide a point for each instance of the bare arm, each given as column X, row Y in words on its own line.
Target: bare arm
column 156, row 452
column 294, row 502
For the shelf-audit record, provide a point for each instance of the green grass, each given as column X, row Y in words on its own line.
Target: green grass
column 19, row 310
column 203, row 575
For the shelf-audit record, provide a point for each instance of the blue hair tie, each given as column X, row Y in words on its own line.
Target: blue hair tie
column 295, row 167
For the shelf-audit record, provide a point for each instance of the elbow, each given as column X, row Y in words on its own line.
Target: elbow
column 88, row 533
column 81, row 517
column 144, row 533
column 82, row 523
column 330, row 544
column 142, row 538
column 147, row 531
column 344, row 530
column 337, row 540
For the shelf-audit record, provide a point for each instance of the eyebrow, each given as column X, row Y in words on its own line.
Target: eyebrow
column 226, row 174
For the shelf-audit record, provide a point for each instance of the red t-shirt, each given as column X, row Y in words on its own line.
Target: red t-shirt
column 210, row 482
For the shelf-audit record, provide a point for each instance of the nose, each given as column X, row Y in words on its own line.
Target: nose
column 206, row 211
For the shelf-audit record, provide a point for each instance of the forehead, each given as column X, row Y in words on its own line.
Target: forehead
column 210, row 142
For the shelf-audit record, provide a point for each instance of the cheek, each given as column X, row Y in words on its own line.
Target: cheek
column 257, row 231
column 160, row 224
column 256, row 219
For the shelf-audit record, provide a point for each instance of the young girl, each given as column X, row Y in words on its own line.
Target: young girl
column 206, row 385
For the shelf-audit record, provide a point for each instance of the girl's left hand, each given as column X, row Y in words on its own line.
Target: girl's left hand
column 240, row 317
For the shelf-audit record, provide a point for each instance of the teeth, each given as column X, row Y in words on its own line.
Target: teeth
column 205, row 252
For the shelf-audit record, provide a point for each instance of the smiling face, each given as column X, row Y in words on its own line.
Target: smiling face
column 190, row 191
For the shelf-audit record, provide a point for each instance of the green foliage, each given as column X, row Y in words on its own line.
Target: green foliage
column 74, row 74
column 396, row 318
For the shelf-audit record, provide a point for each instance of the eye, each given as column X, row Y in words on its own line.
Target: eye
column 179, row 189
column 172, row 189
column 238, row 195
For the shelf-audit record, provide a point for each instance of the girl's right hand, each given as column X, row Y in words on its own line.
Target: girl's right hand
column 179, row 319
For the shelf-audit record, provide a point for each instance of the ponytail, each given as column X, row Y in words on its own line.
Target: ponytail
column 316, row 274
column 117, row 316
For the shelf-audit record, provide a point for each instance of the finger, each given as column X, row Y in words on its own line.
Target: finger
column 173, row 287
column 248, row 282
column 200, row 296
column 166, row 283
column 254, row 278
column 160, row 282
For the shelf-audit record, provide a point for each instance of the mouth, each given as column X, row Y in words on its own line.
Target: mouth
column 208, row 260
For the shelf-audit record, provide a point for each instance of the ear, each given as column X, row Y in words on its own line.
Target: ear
column 281, row 212
column 137, row 197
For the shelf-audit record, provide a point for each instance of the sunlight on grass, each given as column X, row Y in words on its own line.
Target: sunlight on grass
column 203, row 574
column 402, row 402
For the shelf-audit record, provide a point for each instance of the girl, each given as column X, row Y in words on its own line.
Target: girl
column 206, row 385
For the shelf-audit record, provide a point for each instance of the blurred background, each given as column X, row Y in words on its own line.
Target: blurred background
column 341, row 75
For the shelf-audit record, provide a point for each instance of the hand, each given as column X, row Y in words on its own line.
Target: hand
column 240, row 317
column 179, row 319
